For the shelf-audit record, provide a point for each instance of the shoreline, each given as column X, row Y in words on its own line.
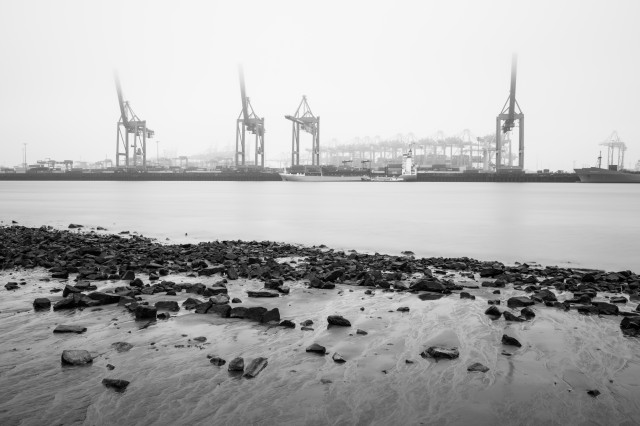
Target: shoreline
column 288, row 295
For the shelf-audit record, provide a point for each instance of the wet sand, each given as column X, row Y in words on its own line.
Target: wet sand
column 384, row 380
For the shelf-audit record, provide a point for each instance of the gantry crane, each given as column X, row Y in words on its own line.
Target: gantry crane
column 613, row 143
column 129, row 123
column 311, row 124
column 505, row 121
column 248, row 121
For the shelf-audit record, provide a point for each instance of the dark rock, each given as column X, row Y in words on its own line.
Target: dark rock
column 308, row 322
column 262, row 294
column 508, row 316
column 618, row 299
column 271, row 316
column 129, row 276
column 110, row 367
column 236, row 364
column 338, row 320
column 223, row 310
column 441, row 352
column 76, row 357
column 587, row 309
column 236, row 300
column 316, row 348
column 287, row 324
column 519, row 302
column 212, row 270
column 403, row 309
column 66, row 303
column 362, row 332
column 117, row 384
column 465, row 295
column 493, row 312
column 41, row 303
column 136, row 282
column 146, row 312
column 476, row 366
column 593, row 392
column 430, row 296
column 255, row 367
column 219, row 299
column 217, row 361
column 333, row 275
column 490, row 272
column 11, row 286
column 510, row 341
column 493, row 302
column 630, row 326
column 69, row 329
column 104, row 298
column 546, row 295
column 163, row 316
column 167, row 305
column 232, row 274
column 75, row 225
column 606, row 308
column 191, row 303
column 527, row 313
column 69, row 289
column 338, row 358
column 429, row 285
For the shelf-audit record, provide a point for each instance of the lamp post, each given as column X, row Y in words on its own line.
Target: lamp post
column 24, row 156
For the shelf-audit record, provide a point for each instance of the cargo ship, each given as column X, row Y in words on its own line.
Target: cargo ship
column 610, row 175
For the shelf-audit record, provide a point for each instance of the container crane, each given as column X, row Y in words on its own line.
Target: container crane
column 505, row 121
column 130, row 124
column 304, row 118
column 248, row 121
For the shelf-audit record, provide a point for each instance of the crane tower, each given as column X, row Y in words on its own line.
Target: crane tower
column 248, row 121
column 311, row 124
column 130, row 124
column 505, row 121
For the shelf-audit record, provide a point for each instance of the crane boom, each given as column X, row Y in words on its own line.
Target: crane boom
column 123, row 111
column 509, row 122
column 243, row 94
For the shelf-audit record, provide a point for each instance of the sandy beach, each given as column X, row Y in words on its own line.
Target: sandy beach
column 420, row 340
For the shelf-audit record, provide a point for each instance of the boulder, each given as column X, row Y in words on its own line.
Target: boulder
column 41, row 303
column 255, row 367
column 510, row 341
column 262, row 294
column 136, row 282
column 430, row 296
column 630, row 326
column 441, row 352
column 145, row 312
column 129, row 276
column 70, row 289
column 527, row 313
column 271, row 316
column 167, row 305
column 76, row 357
column 236, row 364
column 338, row 358
column 465, row 295
column 116, row 384
column 287, row 324
column 429, row 285
column 217, row 361
column 508, row 316
column 69, row 329
column 11, row 286
column 493, row 312
column 606, row 308
column 223, row 310
column 104, row 298
column 122, row 346
column 476, row 366
column 66, row 303
column 618, row 299
column 219, row 299
column 338, row 320
column 519, row 302
column 232, row 274
column 403, row 309
column 316, row 348
column 212, row 291
column 191, row 303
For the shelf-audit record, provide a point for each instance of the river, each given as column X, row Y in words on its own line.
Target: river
column 580, row 225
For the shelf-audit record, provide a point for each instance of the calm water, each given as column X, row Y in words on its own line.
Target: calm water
column 558, row 224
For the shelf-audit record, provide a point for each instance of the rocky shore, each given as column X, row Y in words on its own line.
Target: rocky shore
column 94, row 269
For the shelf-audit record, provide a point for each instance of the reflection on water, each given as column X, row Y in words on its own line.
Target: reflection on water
column 586, row 225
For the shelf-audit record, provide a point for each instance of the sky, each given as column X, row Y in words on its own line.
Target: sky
column 368, row 68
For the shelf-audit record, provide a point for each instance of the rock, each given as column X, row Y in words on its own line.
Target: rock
column 493, row 302
column 287, row 324
column 630, row 326
column 271, row 316
column 136, row 282
column 236, row 364
column 401, row 309
column 316, row 348
column 338, row 358
column 219, row 299
column 145, row 312
column 223, row 310
column 167, row 305
column 69, row 289
column 508, row 316
column 430, row 296
column 441, row 352
column 200, row 339
column 11, row 286
column 122, row 346
column 606, row 308
column 163, row 316
column 232, row 274
column 255, row 367
column 429, row 285
column 76, row 357
column 104, row 298
column 117, row 384
column 593, row 392
column 510, row 341
column 547, row 296
column 308, row 322
column 476, row 366
column 66, row 303
column 217, row 361
column 236, row 300
column 527, row 313
column 586, row 309
column 129, row 276
column 362, row 332
column 519, row 302
column 262, row 294
column 618, row 299
column 465, row 295
column 69, row 329
column 110, row 367
column 493, row 312
column 41, row 303
column 75, row 225
column 191, row 303
column 338, row 320
column 490, row 272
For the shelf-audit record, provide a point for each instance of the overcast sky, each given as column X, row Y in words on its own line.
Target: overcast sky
column 367, row 67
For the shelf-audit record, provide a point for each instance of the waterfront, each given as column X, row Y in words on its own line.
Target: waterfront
column 580, row 225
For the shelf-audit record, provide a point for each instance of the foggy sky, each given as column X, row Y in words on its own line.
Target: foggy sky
column 367, row 67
